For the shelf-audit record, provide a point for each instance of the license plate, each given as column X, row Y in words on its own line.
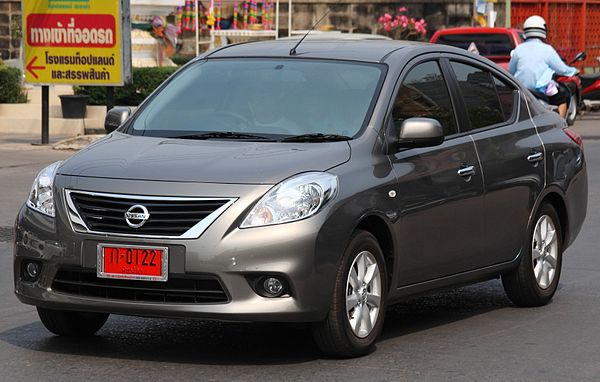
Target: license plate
column 133, row 262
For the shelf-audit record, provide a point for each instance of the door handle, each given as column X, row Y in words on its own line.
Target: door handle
column 535, row 157
column 466, row 171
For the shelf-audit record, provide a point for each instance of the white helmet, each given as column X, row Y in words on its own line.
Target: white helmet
column 535, row 26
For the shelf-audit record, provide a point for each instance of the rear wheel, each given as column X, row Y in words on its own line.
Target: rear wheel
column 534, row 281
column 572, row 110
column 355, row 318
column 72, row 324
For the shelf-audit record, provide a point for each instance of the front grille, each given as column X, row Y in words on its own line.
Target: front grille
column 168, row 217
column 197, row 289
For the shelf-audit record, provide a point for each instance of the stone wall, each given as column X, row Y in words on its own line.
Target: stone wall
column 10, row 27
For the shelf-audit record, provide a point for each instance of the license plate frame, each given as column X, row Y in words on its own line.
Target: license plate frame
column 101, row 273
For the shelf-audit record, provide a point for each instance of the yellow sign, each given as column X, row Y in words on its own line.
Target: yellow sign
column 78, row 42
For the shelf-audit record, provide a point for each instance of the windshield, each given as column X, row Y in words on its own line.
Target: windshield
column 262, row 98
column 488, row 44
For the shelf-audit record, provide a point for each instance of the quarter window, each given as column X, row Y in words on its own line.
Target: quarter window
column 507, row 96
column 424, row 93
column 488, row 100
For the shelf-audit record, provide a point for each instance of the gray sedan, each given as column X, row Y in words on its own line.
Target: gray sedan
column 318, row 183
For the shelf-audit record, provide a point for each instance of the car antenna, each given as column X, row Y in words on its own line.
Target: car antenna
column 293, row 50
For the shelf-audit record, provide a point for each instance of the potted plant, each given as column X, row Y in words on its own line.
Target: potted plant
column 74, row 105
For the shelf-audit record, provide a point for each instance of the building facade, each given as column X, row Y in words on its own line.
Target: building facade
column 10, row 29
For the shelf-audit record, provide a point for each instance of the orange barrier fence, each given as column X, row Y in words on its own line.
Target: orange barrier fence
column 573, row 25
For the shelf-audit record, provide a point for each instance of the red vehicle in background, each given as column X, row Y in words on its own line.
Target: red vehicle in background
column 591, row 87
column 496, row 44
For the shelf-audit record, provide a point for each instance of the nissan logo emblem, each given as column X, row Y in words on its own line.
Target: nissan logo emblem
column 136, row 216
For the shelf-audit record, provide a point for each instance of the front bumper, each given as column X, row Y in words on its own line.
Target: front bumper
column 304, row 253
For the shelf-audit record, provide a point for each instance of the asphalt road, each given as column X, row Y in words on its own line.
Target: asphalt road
column 471, row 333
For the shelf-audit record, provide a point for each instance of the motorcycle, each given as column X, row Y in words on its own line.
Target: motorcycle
column 574, row 86
column 591, row 89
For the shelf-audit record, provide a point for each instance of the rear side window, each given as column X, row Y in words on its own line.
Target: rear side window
column 507, row 96
column 424, row 93
column 488, row 44
column 488, row 100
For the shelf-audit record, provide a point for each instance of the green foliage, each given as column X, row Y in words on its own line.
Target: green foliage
column 181, row 59
column 145, row 80
column 11, row 87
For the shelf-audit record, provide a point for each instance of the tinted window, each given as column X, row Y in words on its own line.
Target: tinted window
column 272, row 97
column 488, row 44
column 424, row 93
column 478, row 90
column 507, row 96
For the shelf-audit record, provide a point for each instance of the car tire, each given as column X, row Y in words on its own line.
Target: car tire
column 534, row 281
column 71, row 324
column 356, row 315
column 572, row 110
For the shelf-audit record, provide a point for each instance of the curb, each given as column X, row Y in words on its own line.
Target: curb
column 77, row 143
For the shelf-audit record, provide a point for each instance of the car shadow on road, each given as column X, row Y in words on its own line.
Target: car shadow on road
column 223, row 343
column 433, row 310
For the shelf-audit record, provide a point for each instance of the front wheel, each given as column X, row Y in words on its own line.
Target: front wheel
column 534, row 281
column 572, row 110
column 356, row 315
column 71, row 324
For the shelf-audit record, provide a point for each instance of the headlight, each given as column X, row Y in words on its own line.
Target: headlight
column 293, row 199
column 41, row 198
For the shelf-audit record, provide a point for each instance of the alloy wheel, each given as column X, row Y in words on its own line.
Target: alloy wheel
column 363, row 294
column 544, row 251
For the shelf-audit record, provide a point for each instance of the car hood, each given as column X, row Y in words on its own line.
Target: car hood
column 121, row 156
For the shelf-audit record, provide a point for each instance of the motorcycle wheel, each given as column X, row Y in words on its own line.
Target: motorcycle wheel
column 572, row 110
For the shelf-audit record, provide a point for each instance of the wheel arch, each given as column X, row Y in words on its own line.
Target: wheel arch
column 556, row 200
column 379, row 227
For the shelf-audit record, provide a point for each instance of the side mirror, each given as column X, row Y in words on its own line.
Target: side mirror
column 420, row 132
column 581, row 56
column 115, row 118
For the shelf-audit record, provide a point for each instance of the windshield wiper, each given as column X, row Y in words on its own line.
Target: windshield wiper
column 316, row 137
column 224, row 135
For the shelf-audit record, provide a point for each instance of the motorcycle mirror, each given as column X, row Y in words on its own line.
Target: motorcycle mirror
column 579, row 57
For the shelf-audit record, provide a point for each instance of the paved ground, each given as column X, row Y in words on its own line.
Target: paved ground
column 472, row 333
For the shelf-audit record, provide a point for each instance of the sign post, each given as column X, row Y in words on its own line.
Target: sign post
column 76, row 42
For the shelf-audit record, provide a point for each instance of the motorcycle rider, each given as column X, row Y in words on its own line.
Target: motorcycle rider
column 534, row 63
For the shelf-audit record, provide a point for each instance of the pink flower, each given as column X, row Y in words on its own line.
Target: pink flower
column 402, row 9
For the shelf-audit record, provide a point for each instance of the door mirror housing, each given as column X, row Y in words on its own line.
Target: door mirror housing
column 581, row 56
column 115, row 118
column 420, row 132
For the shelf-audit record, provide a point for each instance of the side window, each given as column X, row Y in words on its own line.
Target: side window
column 481, row 93
column 424, row 93
column 507, row 95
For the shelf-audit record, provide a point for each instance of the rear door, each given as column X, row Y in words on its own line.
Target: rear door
column 440, row 188
column 510, row 151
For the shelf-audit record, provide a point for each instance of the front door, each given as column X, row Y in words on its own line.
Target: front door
column 440, row 188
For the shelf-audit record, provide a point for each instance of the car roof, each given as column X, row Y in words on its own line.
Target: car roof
column 355, row 50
